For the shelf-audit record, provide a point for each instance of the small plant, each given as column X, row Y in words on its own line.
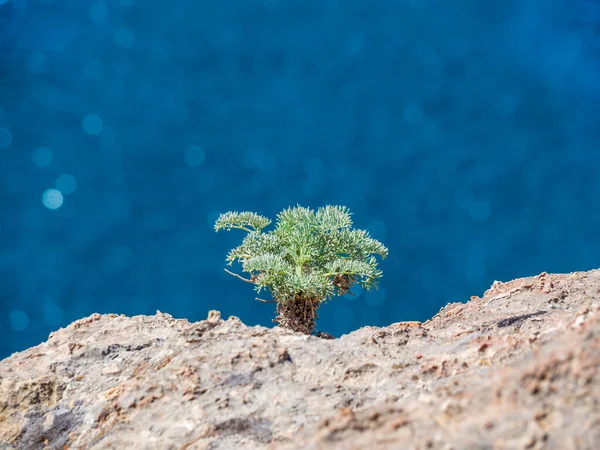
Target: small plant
column 308, row 258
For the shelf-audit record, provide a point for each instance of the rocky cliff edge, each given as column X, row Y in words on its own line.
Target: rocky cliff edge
column 517, row 368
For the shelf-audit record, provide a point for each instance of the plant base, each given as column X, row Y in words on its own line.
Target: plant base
column 298, row 314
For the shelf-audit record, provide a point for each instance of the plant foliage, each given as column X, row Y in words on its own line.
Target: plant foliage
column 308, row 255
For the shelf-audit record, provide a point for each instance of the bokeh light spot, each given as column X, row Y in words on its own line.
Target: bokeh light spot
column 6, row 138
column 42, row 157
column 123, row 37
column 194, row 156
column 52, row 199
column 92, row 125
column 66, row 183
column 98, row 12
column 19, row 321
column 480, row 210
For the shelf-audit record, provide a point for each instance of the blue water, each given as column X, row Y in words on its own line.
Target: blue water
column 464, row 135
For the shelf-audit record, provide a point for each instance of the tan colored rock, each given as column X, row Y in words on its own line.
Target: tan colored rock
column 517, row 368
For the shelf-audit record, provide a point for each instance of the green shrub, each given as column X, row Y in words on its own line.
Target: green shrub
column 308, row 258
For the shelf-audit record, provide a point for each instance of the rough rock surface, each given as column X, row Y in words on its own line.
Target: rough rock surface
column 517, row 368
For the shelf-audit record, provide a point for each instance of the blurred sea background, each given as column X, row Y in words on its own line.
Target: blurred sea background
column 462, row 134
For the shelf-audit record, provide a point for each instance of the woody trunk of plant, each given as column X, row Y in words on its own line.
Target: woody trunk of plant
column 298, row 314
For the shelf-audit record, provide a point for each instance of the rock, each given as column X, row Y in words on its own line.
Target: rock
column 517, row 368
